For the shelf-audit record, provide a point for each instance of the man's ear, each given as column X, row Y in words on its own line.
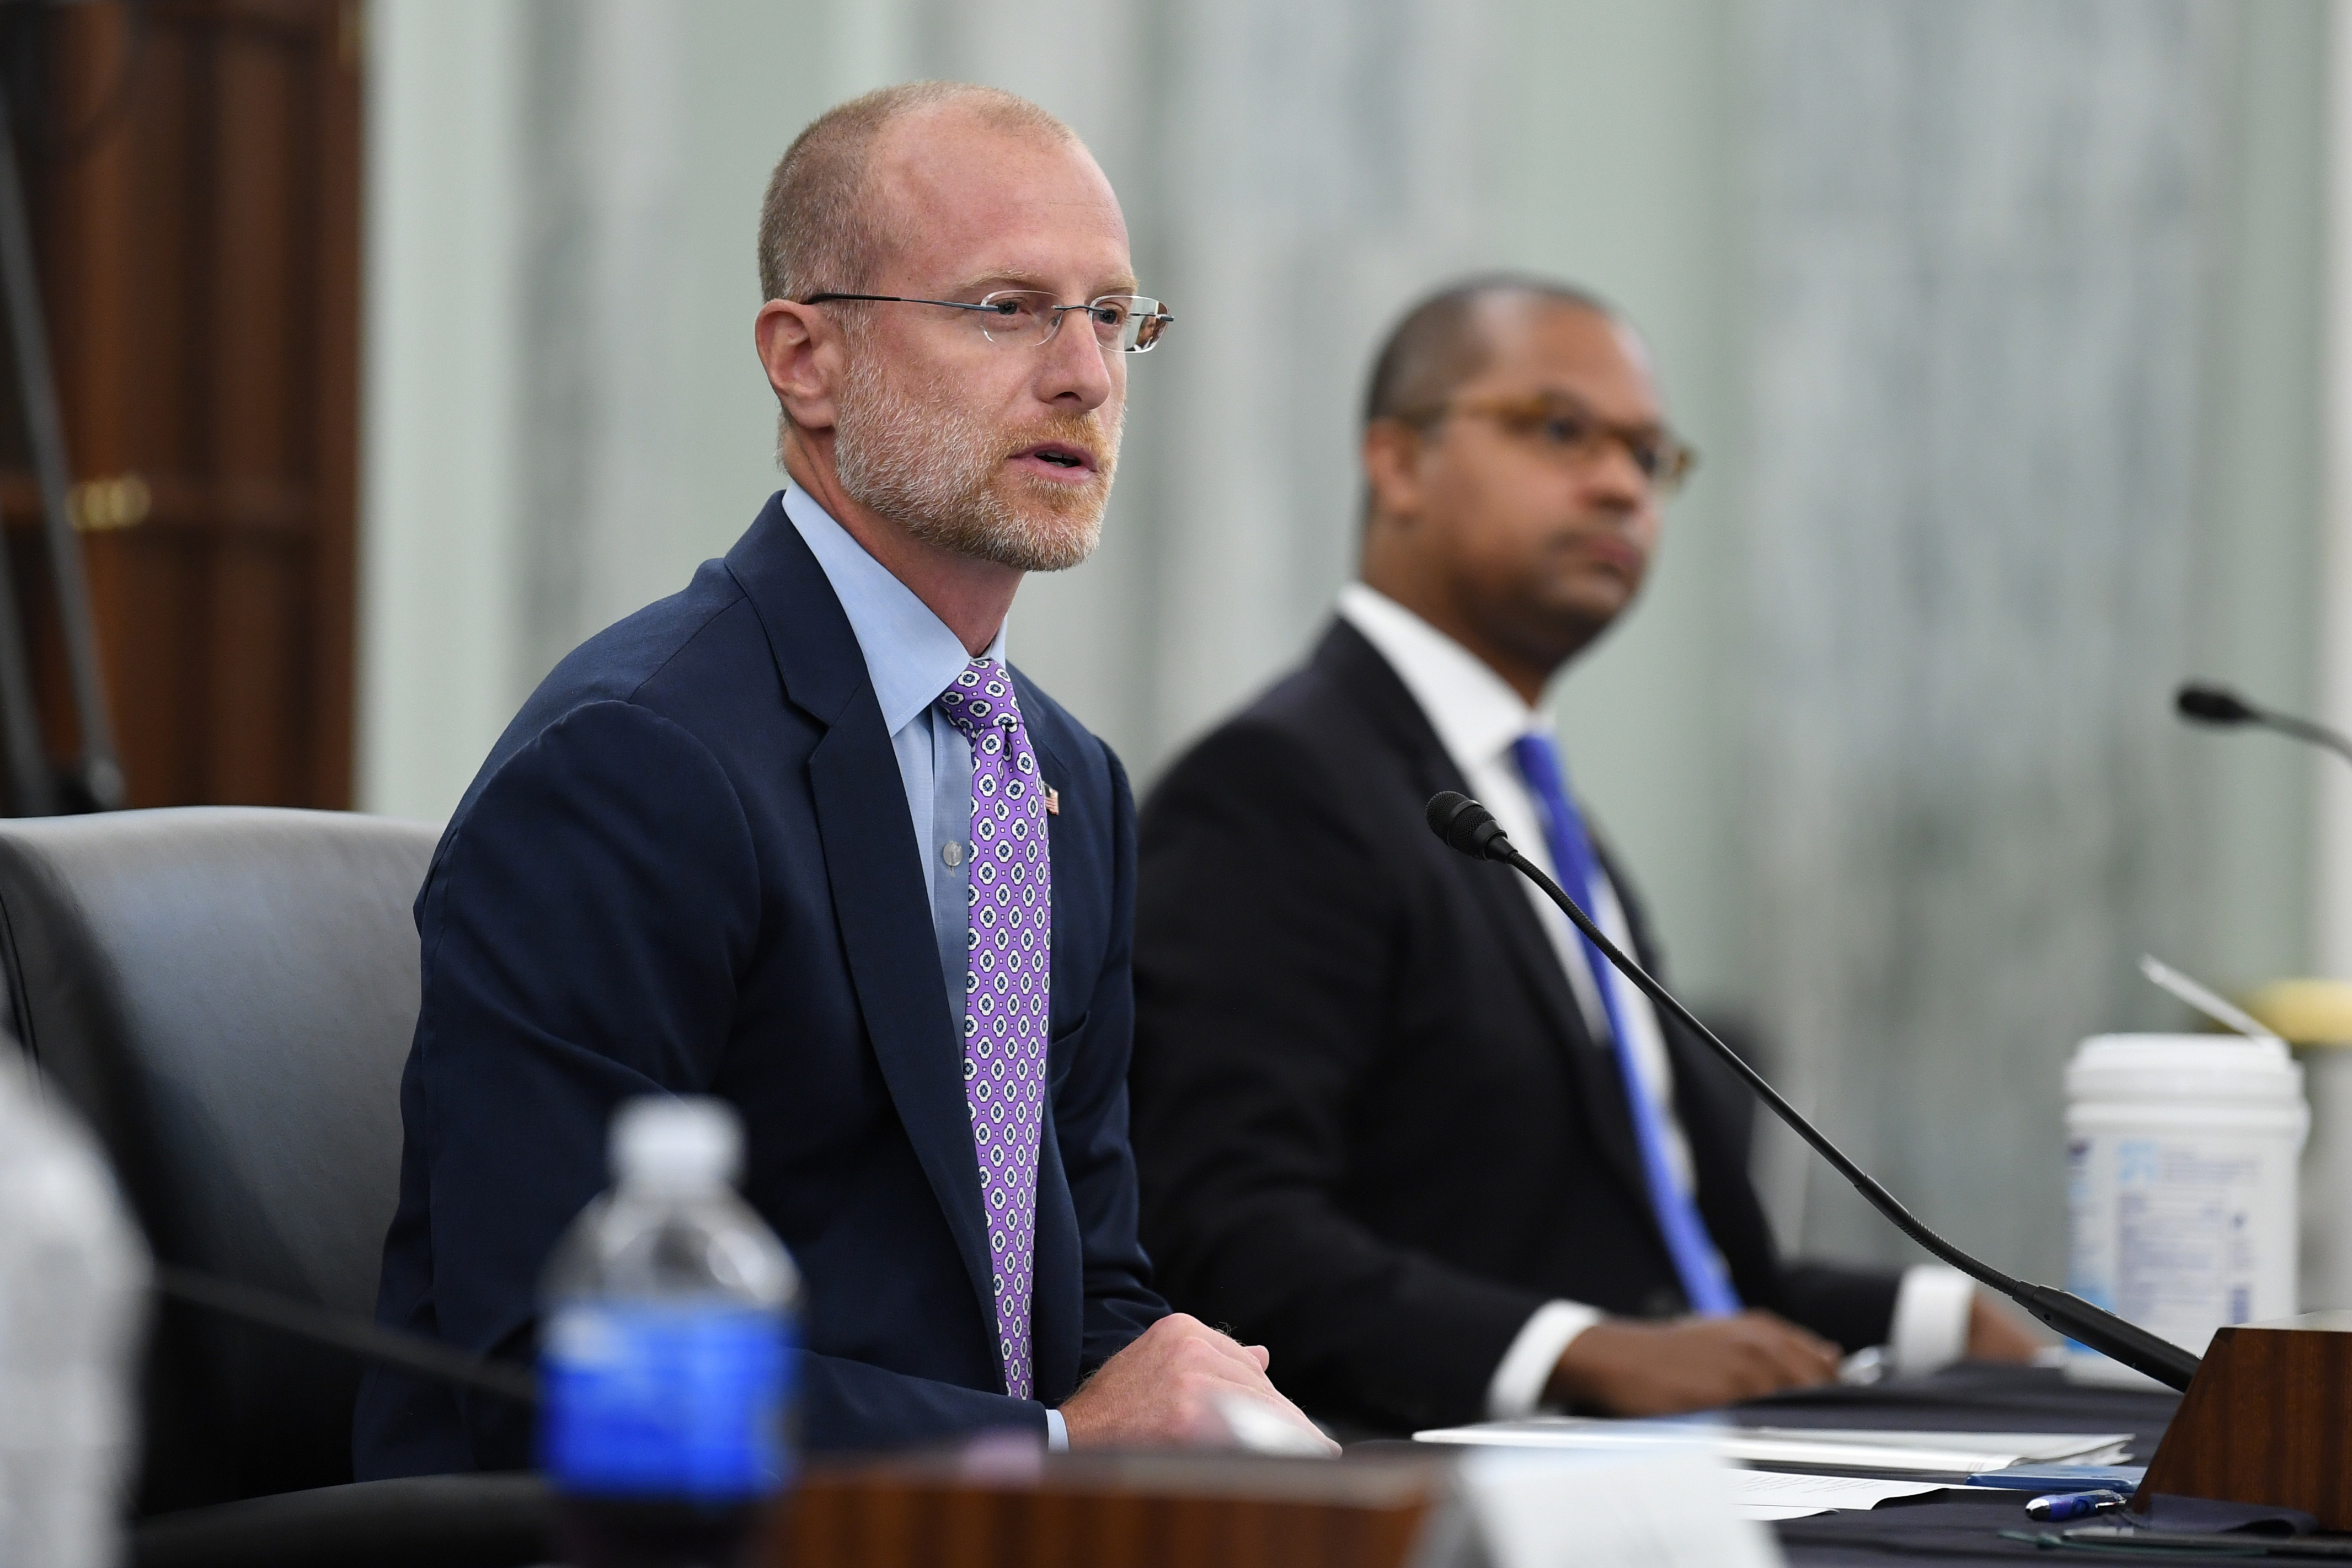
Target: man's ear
column 1392, row 452
column 801, row 347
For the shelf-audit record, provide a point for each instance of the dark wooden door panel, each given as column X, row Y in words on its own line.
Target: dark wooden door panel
column 197, row 179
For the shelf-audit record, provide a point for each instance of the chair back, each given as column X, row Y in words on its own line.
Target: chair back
column 227, row 993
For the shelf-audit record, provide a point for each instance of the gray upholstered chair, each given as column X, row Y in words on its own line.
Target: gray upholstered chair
column 227, row 995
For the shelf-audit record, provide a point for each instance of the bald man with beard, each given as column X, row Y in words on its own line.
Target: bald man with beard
column 800, row 838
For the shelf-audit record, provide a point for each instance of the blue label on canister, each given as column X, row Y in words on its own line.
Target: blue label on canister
column 661, row 1399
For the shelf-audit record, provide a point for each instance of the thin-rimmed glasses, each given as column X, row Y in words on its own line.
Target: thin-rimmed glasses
column 1134, row 323
column 1566, row 429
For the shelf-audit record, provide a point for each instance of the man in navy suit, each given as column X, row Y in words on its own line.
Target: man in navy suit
column 798, row 836
column 1395, row 1114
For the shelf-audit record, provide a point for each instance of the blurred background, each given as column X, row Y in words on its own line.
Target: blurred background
column 405, row 345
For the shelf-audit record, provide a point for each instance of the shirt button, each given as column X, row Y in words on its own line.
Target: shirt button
column 953, row 852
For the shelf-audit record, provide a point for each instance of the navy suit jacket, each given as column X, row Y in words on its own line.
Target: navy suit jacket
column 687, row 867
column 1376, row 1133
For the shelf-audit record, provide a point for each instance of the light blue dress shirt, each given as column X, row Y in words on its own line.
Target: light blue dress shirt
column 912, row 657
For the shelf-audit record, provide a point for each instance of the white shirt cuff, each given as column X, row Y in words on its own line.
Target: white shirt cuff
column 1931, row 1319
column 1057, row 1432
column 1516, row 1389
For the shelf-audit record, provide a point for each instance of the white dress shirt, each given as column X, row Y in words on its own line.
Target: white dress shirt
column 1477, row 718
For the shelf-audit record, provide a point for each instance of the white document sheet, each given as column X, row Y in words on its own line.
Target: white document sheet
column 2031, row 1447
column 1662, row 1507
column 1778, row 1494
column 1931, row 1453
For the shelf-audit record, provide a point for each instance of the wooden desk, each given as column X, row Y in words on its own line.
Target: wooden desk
column 2268, row 1420
column 1013, row 1507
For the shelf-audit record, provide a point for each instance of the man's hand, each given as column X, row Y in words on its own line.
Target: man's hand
column 1162, row 1391
column 1627, row 1367
column 1998, row 1334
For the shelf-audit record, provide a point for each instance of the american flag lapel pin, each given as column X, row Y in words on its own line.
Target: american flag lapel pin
column 1053, row 801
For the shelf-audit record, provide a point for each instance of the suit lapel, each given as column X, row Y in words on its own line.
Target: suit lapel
column 1056, row 1333
column 1599, row 1083
column 873, row 866
column 1053, row 774
column 893, row 964
column 1497, row 889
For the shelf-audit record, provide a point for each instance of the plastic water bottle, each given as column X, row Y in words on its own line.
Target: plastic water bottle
column 73, row 1283
column 669, row 1352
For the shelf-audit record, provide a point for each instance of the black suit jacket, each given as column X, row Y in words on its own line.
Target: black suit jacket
column 1373, row 1130
column 687, row 867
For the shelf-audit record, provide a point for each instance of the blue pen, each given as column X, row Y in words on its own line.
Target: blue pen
column 2073, row 1505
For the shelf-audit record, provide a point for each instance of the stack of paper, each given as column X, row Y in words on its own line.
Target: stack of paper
column 1809, row 1449
column 1915, row 1452
column 1857, row 1462
column 1778, row 1494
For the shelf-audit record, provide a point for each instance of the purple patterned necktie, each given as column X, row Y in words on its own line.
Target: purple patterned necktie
column 1004, row 993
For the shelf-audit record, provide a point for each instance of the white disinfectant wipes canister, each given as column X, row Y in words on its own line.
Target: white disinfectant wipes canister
column 2181, row 1156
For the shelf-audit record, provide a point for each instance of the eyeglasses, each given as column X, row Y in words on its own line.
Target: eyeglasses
column 1568, row 430
column 1133, row 323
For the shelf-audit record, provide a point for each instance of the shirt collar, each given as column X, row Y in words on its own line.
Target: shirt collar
column 910, row 654
column 1475, row 711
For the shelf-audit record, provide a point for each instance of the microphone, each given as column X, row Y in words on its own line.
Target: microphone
column 355, row 1336
column 2201, row 703
column 1466, row 826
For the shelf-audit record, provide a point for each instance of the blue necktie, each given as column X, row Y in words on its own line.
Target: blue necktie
column 1704, row 1285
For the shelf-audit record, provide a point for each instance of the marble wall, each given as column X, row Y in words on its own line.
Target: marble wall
column 1984, row 237
column 604, row 152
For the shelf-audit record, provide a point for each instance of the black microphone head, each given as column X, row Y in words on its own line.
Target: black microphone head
column 2213, row 705
column 1467, row 826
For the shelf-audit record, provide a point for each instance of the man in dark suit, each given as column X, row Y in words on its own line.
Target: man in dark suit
column 799, row 838
column 1393, row 1116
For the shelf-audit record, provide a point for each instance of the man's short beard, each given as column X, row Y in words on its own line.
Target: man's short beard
column 928, row 464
